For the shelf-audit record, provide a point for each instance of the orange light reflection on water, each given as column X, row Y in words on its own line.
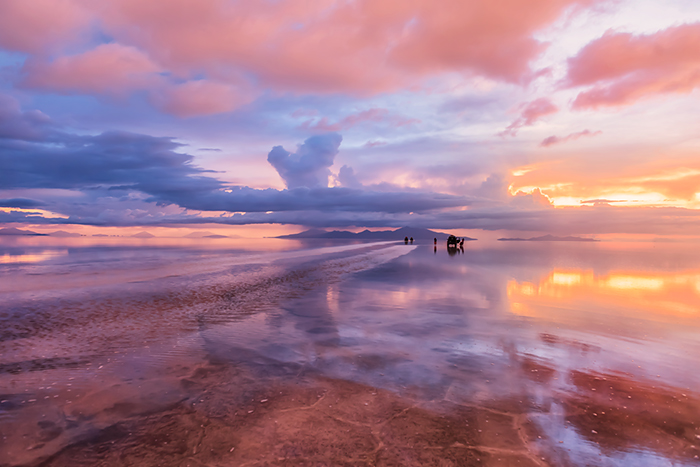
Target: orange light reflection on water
column 671, row 297
column 31, row 258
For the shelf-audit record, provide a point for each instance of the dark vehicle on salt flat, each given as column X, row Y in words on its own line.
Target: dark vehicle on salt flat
column 452, row 242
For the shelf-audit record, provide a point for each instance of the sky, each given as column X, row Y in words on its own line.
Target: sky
column 562, row 116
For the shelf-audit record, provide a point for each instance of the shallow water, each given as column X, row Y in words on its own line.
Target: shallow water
column 276, row 352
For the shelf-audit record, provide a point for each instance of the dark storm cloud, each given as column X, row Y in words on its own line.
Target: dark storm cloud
column 244, row 199
column 151, row 165
column 21, row 203
column 111, row 165
column 146, row 163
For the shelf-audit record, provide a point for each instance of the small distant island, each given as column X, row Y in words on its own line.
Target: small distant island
column 207, row 234
column 399, row 234
column 199, row 234
column 64, row 234
column 549, row 238
column 143, row 234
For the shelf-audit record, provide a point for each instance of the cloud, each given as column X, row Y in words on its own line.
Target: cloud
column 199, row 97
column 622, row 68
column 603, row 201
column 358, row 47
column 40, row 26
column 309, row 166
column 110, row 69
column 552, row 140
column 116, row 70
column 21, row 203
column 143, row 175
column 30, row 125
column 375, row 116
column 347, row 178
column 533, row 199
column 531, row 113
column 37, row 155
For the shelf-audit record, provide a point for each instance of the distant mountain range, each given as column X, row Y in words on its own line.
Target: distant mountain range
column 399, row 234
column 143, row 234
column 58, row 233
column 549, row 238
column 15, row 231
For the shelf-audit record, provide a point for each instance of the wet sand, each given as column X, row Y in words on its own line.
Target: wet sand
column 378, row 354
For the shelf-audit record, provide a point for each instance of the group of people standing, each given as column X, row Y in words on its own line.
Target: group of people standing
column 457, row 241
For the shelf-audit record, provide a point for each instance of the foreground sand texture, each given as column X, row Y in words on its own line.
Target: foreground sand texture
column 367, row 356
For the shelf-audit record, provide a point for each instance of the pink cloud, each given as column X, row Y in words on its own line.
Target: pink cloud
column 38, row 26
column 494, row 39
column 531, row 113
column 363, row 46
column 371, row 115
column 198, row 98
column 552, row 140
column 106, row 69
column 623, row 67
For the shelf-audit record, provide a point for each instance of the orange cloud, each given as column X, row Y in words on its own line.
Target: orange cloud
column 623, row 67
column 574, row 184
column 106, row 69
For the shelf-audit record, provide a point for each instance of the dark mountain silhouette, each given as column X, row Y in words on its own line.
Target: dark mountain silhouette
column 399, row 234
column 549, row 238
column 15, row 231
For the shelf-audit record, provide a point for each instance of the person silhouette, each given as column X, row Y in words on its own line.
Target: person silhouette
column 411, row 240
column 405, row 240
column 434, row 241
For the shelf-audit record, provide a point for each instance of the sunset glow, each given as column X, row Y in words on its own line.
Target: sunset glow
column 560, row 116
column 350, row 232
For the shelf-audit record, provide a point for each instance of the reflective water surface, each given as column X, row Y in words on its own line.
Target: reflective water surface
column 275, row 352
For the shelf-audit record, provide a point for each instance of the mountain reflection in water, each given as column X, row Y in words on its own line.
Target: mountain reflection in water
column 351, row 354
